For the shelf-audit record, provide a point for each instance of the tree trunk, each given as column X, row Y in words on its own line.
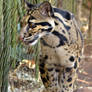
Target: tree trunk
column 79, row 7
column 90, row 22
column 59, row 3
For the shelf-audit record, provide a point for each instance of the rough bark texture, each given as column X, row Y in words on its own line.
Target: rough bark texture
column 59, row 3
column 90, row 20
column 79, row 7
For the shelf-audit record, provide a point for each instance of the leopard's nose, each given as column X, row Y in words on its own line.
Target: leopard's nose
column 21, row 38
column 22, row 33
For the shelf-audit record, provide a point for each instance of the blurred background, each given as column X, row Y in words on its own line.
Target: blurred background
column 19, row 62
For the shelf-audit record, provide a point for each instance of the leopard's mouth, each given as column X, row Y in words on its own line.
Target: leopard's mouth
column 31, row 40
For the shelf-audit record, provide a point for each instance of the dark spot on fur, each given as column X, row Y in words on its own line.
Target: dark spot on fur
column 30, row 34
column 46, row 57
column 56, row 23
column 65, row 48
column 70, row 85
column 47, row 77
column 55, row 64
column 79, row 59
column 64, row 75
column 51, row 74
column 68, row 69
column 57, row 70
column 42, row 71
column 42, row 65
column 44, row 79
column 55, row 84
column 62, row 81
column 75, row 65
column 68, row 51
column 63, row 31
column 54, row 79
column 69, row 79
column 71, row 59
column 50, row 69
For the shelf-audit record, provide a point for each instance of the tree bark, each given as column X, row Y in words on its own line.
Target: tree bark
column 90, row 22
column 79, row 6
column 59, row 3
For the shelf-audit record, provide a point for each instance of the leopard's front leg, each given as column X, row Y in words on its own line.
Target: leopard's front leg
column 49, row 75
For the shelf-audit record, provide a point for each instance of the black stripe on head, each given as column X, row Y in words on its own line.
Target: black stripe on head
column 66, row 27
column 47, row 30
column 31, row 18
column 43, row 24
column 63, row 13
column 62, row 38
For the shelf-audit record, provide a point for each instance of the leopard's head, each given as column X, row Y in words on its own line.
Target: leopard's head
column 38, row 21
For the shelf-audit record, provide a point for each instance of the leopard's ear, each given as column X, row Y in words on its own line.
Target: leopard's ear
column 29, row 5
column 46, row 9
